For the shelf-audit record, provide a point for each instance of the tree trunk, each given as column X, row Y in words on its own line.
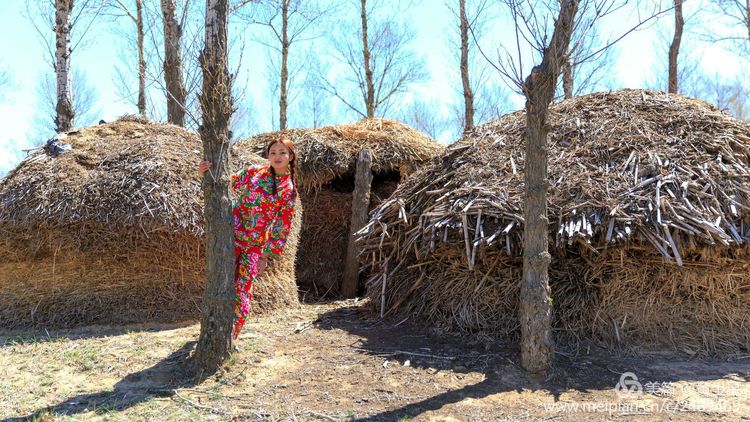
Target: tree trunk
column 674, row 48
column 535, row 310
column 567, row 75
column 173, row 64
column 360, row 205
column 215, row 341
column 64, row 108
column 370, row 94
column 284, row 58
column 141, row 59
column 468, row 94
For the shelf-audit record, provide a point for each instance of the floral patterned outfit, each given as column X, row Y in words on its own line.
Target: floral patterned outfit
column 262, row 222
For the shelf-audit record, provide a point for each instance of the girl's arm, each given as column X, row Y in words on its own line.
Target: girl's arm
column 242, row 177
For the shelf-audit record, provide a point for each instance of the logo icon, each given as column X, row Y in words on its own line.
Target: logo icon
column 628, row 385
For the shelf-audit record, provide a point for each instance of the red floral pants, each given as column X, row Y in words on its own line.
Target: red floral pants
column 246, row 270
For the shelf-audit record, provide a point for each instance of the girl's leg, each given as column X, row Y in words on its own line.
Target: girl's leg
column 246, row 272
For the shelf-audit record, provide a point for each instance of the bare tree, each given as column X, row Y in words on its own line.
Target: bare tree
column 71, row 22
column 583, row 71
column 215, row 340
column 5, row 82
column 316, row 101
column 425, row 116
column 531, row 25
column 133, row 11
column 674, row 48
column 289, row 22
column 64, row 112
column 468, row 92
column 482, row 97
column 84, row 100
column 736, row 14
column 175, row 85
column 379, row 65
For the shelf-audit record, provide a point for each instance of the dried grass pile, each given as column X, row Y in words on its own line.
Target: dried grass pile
column 326, row 164
column 648, row 209
column 111, row 232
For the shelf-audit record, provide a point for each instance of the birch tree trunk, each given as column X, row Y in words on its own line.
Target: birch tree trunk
column 535, row 310
column 468, row 94
column 674, row 48
column 173, row 64
column 567, row 75
column 141, row 59
column 64, row 107
column 215, row 341
column 370, row 97
column 284, row 60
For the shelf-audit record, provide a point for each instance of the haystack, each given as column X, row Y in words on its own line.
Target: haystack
column 648, row 210
column 112, row 232
column 327, row 160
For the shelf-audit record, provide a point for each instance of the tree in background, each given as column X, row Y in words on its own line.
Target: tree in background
column 215, row 340
column 736, row 14
column 5, row 82
column 175, row 85
column 289, row 22
column 483, row 98
column 674, row 47
column 379, row 65
column 71, row 22
column 133, row 11
column 587, row 64
column 83, row 99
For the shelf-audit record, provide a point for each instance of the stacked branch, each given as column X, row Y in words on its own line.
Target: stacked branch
column 630, row 170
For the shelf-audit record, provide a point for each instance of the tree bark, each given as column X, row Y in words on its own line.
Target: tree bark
column 567, row 75
column 360, row 205
column 284, row 59
column 215, row 341
column 173, row 64
column 468, row 94
column 535, row 310
column 64, row 107
column 674, row 48
column 370, row 98
column 141, row 59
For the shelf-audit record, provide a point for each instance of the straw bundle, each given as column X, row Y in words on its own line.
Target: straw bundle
column 112, row 232
column 326, row 162
column 634, row 170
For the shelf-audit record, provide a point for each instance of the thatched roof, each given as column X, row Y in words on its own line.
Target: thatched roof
column 627, row 165
column 329, row 152
column 119, row 174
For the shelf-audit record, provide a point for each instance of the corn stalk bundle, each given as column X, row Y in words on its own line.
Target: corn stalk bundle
column 662, row 177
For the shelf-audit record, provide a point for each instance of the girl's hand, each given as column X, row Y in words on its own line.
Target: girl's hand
column 262, row 264
column 203, row 167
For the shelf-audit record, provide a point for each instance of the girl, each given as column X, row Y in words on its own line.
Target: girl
column 262, row 218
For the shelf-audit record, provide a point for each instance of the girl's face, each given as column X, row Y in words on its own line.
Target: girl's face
column 279, row 157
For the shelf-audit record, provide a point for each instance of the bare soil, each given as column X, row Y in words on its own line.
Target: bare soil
column 339, row 362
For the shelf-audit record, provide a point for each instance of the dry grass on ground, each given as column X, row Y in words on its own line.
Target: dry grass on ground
column 336, row 362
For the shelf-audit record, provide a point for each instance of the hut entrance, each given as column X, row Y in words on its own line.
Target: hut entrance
column 325, row 230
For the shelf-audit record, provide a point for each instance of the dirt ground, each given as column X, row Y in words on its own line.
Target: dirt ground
column 339, row 362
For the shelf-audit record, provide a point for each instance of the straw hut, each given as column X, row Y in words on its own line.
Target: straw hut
column 648, row 210
column 327, row 161
column 111, row 232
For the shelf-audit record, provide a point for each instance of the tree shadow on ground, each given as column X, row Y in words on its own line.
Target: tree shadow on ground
column 42, row 335
column 159, row 380
column 596, row 369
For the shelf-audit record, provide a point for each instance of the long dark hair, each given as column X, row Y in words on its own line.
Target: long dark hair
column 292, row 163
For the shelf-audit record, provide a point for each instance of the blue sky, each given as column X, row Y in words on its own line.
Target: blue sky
column 24, row 56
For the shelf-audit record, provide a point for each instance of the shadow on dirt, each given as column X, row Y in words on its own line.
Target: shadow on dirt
column 434, row 349
column 159, row 380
